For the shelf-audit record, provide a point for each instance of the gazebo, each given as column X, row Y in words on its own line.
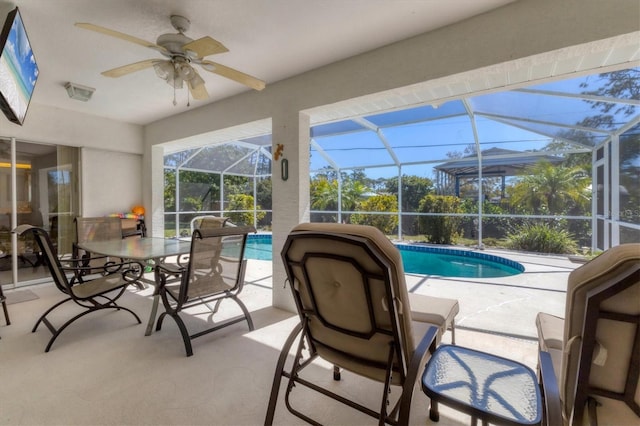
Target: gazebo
column 492, row 162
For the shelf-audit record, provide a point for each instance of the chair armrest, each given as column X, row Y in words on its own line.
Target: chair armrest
column 427, row 344
column 550, row 389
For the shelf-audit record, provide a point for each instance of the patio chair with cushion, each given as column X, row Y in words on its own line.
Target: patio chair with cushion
column 595, row 350
column 355, row 312
column 91, row 295
column 215, row 272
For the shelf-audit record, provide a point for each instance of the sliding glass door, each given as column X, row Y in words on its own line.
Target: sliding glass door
column 39, row 187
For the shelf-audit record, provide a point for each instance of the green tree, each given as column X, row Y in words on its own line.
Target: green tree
column 443, row 228
column 378, row 203
column 413, row 189
column 240, row 209
column 552, row 189
column 324, row 194
column 198, row 190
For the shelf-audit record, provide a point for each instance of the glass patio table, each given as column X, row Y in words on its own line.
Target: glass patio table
column 485, row 386
column 147, row 249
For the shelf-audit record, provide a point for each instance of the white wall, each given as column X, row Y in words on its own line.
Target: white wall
column 110, row 182
column 49, row 125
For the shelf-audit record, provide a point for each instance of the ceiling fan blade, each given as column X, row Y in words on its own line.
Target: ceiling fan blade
column 127, row 69
column 121, row 36
column 196, row 87
column 205, row 46
column 233, row 74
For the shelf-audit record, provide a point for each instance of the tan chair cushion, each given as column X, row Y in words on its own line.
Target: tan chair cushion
column 613, row 337
column 438, row 311
column 339, row 300
column 338, row 275
column 590, row 275
column 611, row 412
column 550, row 330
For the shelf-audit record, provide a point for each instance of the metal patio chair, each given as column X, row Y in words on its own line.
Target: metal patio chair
column 215, row 272
column 96, row 229
column 355, row 312
column 91, row 295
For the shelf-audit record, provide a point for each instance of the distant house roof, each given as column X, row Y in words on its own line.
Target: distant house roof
column 496, row 162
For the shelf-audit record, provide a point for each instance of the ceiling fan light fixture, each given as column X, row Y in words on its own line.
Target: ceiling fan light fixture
column 185, row 71
column 79, row 92
column 176, row 83
column 164, row 70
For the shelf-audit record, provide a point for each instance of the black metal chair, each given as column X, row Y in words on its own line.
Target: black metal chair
column 98, row 229
column 92, row 295
column 3, row 300
column 214, row 272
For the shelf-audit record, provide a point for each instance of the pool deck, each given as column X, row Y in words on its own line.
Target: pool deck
column 504, row 305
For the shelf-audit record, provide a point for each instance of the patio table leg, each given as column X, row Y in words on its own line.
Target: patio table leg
column 154, row 312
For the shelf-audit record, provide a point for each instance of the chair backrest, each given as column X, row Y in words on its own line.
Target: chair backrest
column 349, row 287
column 50, row 255
column 96, row 229
column 602, row 330
column 216, row 262
column 207, row 222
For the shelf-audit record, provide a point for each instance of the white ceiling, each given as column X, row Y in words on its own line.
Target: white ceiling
column 269, row 39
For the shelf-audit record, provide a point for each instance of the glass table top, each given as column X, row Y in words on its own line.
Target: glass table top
column 490, row 386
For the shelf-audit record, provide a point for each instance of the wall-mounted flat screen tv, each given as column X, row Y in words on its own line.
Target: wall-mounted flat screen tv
column 18, row 69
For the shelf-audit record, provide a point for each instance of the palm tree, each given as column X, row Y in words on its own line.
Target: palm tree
column 550, row 189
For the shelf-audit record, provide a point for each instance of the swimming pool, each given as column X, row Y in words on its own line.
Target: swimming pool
column 420, row 259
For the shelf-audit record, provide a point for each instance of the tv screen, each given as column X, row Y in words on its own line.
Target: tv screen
column 18, row 69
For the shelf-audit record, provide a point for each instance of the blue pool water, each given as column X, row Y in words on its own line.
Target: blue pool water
column 419, row 259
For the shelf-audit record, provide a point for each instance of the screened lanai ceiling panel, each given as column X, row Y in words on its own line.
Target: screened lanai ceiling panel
column 353, row 150
column 540, row 108
column 176, row 159
column 575, row 114
column 337, row 128
column 430, row 140
column 575, row 137
column 263, row 141
column 257, row 163
column 423, row 113
column 218, row 158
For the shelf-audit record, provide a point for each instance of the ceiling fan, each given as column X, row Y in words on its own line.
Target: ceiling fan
column 181, row 52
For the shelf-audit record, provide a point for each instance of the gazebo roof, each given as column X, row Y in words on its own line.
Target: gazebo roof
column 495, row 162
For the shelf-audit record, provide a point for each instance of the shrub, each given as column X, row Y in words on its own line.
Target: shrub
column 440, row 229
column 378, row 203
column 243, row 202
column 542, row 238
